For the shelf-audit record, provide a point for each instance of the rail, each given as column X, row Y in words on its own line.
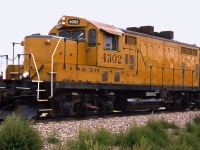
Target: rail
column 52, row 59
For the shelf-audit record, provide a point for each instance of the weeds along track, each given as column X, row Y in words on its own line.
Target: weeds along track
column 68, row 128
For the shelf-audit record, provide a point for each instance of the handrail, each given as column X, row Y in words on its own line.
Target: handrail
column 52, row 67
column 38, row 93
column 6, row 59
column 160, row 66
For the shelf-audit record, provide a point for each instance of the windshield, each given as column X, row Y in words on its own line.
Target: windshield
column 66, row 34
column 73, row 34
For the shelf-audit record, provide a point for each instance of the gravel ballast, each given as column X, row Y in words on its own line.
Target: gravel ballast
column 68, row 129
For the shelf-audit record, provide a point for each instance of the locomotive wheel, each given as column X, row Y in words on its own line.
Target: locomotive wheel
column 80, row 109
column 169, row 104
column 121, row 104
column 2, row 100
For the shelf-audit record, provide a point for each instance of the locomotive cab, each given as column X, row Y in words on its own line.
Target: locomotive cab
column 81, row 51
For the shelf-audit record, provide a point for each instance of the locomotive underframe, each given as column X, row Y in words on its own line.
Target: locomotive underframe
column 72, row 98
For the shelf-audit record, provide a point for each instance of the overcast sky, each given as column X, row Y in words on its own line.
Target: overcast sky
column 20, row 18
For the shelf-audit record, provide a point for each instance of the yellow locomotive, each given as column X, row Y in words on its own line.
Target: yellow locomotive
column 85, row 67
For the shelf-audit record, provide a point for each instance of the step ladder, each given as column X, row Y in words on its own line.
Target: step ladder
column 14, row 73
column 38, row 90
column 41, row 101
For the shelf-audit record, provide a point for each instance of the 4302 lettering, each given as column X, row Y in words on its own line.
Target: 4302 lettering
column 112, row 58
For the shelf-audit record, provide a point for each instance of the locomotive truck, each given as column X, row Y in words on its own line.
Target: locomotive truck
column 85, row 67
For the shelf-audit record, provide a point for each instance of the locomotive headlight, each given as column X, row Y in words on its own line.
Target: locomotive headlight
column 63, row 22
column 25, row 74
column 63, row 18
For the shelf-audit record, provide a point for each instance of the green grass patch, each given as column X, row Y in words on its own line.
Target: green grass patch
column 189, row 137
column 53, row 139
column 88, row 140
column 17, row 134
column 155, row 135
column 152, row 136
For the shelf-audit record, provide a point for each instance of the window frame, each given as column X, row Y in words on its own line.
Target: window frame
column 114, row 41
column 128, row 41
column 92, row 42
column 188, row 51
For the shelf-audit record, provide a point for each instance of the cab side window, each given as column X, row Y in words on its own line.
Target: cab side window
column 111, row 42
column 92, row 38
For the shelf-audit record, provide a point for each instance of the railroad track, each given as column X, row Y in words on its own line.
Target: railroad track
column 108, row 115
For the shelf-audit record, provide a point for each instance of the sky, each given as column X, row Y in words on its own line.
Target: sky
column 20, row 18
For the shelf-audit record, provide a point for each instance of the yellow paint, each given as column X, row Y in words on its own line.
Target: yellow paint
column 151, row 57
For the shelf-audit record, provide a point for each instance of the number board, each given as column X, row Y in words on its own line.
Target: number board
column 74, row 21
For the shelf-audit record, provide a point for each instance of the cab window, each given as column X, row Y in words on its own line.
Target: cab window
column 78, row 34
column 66, row 34
column 92, row 38
column 111, row 42
column 75, row 34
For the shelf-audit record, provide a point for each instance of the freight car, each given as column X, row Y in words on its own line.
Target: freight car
column 85, row 67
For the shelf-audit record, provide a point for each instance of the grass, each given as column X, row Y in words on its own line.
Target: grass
column 155, row 135
column 53, row 139
column 152, row 136
column 88, row 140
column 17, row 134
column 190, row 135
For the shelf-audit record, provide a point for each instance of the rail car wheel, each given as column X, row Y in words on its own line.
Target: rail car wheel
column 168, row 104
column 175, row 101
column 80, row 109
column 120, row 103
column 2, row 99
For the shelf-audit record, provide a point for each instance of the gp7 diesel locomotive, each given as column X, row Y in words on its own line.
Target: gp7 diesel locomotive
column 85, row 67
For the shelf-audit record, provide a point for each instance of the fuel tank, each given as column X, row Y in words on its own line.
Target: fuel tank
column 144, row 104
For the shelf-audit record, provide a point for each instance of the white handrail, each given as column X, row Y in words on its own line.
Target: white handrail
column 52, row 67
column 37, row 75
